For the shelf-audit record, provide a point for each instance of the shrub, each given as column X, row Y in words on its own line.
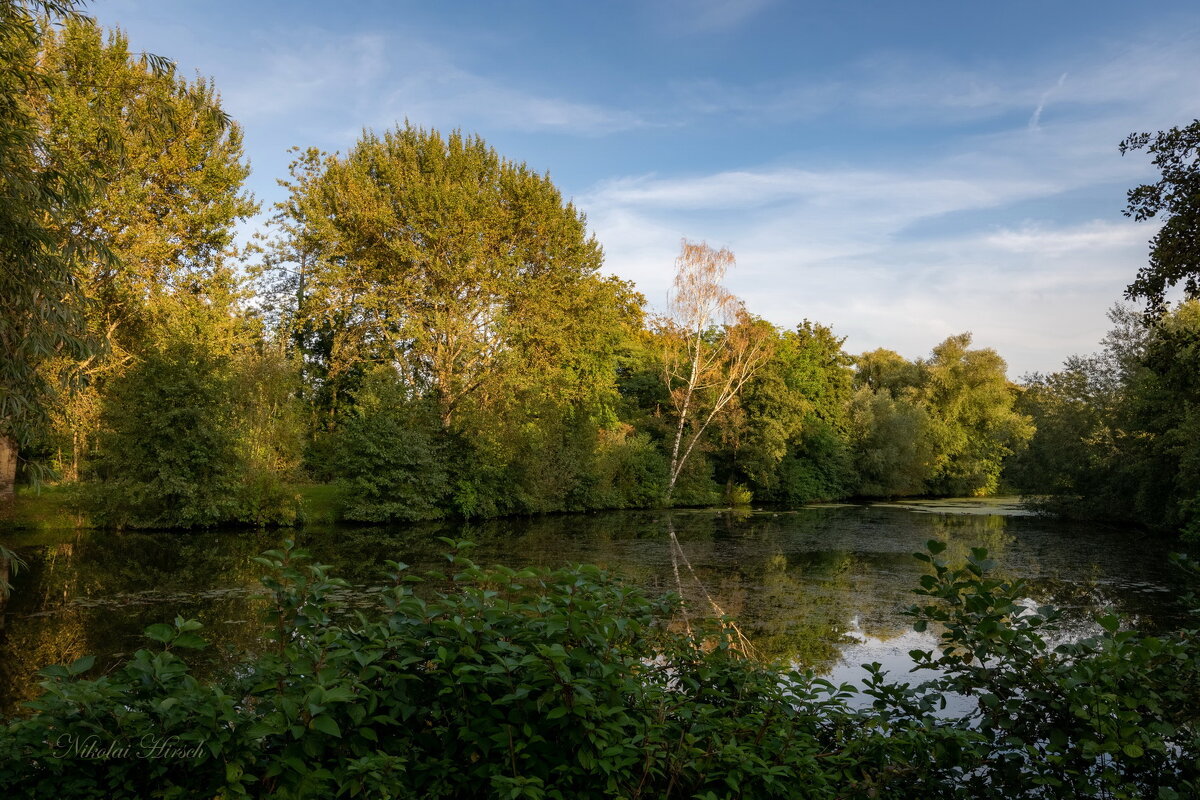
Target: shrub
column 566, row 684
column 389, row 457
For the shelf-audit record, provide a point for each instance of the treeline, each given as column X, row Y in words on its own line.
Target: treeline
column 424, row 325
column 1118, row 432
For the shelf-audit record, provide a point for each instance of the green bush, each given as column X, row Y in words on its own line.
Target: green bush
column 820, row 468
column 628, row 471
column 390, row 456
column 566, row 684
column 195, row 436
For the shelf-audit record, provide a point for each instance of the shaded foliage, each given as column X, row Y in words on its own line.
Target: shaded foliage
column 564, row 684
column 1175, row 249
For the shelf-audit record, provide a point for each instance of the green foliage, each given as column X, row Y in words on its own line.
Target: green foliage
column 41, row 312
column 1174, row 250
column 1117, row 432
column 566, row 684
column 468, row 272
column 819, row 467
column 390, row 456
column 1110, row 715
column 169, row 174
column 976, row 428
column 628, row 471
column 895, row 448
column 197, row 433
column 941, row 426
column 788, row 438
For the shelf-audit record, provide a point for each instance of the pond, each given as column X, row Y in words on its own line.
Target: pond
column 820, row 586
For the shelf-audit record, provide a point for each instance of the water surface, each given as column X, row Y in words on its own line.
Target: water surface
column 818, row 586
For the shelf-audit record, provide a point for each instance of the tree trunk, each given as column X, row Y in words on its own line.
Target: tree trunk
column 8, row 469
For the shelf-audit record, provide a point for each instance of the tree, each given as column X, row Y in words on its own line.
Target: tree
column 467, row 273
column 172, row 170
column 894, row 449
column 1175, row 249
column 713, row 347
column 40, row 298
column 971, row 402
column 942, row 425
column 788, row 436
column 198, row 430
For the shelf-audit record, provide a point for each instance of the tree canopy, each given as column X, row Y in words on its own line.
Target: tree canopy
column 40, row 296
column 466, row 272
column 1175, row 249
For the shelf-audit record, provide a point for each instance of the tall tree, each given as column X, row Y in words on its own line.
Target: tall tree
column 942, row 425
column 712, row 347
column 971, row 402
column 1175, row 249
column 467, row 273
column 40, row 298
column 172, row 170
column 788, row 436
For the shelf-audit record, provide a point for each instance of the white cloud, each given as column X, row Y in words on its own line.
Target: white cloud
column 836, row 245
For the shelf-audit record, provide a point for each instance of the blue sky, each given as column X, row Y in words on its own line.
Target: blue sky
column 899, row 171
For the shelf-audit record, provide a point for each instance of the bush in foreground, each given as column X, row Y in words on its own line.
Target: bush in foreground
column 567, row 684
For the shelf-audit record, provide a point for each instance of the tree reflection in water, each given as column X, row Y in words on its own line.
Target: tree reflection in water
column 805, row 585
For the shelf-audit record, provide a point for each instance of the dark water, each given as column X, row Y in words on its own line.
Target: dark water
column 819, row 586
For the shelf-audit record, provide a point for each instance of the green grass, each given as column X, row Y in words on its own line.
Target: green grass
column 320, row 503
column 54, row 508
column 44, row 508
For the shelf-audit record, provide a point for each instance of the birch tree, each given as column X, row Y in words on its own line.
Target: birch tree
column 712, row 347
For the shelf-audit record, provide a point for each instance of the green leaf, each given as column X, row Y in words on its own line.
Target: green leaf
column 326, row 724
column 81, row 665
column 160, row 632
column 190, row 640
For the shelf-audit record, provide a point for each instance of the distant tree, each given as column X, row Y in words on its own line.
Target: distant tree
column 969, row 397
column 956, row 409
column 1175, row 249
column 1118, row 432
column 712, row 347
column 1080, row 419
column 895, row 450
column 788, row 436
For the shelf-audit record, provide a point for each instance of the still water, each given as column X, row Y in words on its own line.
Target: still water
column 820, row 586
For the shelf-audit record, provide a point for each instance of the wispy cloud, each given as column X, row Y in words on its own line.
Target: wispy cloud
column 899, row 88
column 875, row 253
column 1036, row 118
column 702, row 16
column 375, row 79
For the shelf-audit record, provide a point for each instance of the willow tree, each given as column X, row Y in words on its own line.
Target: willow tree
column 712, row 347
column 40, row 298
column 465, row 272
